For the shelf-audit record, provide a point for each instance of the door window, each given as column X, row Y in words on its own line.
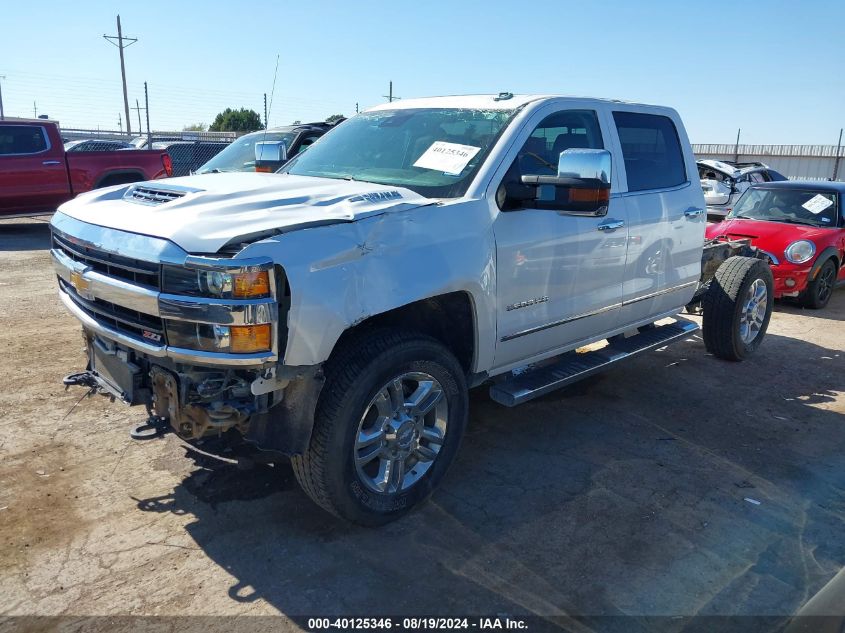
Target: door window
column 557, row 132
column 307, row 142
column 651, row 150
column 22, row 139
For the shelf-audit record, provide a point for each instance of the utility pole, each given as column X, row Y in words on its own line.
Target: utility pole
column 34, row 110
column 736, row 146
column 836, row 162
column 390, row 96
column 266, row 123
column 2, row 116
column 356, row 107
column 137, row 109
column 120, row 45
column 119, row 122
column 147, row 112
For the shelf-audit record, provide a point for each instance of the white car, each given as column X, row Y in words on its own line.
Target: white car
column 723, row 182
column 336, row 312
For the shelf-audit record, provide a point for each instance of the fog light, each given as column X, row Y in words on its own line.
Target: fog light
column 249, row 338
column 789, row 282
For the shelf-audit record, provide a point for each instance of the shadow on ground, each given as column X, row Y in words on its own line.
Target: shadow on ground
column 32, row 235
column 574, row 504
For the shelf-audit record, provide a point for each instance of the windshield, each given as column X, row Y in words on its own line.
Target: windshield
column 792, row 206
column 432, row 151
column 240, row 154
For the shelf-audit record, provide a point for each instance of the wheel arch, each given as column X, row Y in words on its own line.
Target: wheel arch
column 449, row 318
column 118, row 177
column 828, row 253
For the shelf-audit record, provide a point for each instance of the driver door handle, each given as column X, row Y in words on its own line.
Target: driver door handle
column 693, row 213
column 51, row 162
column 610, row 225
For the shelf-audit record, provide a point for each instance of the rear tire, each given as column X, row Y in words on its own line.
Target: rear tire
column 820, row 289
column 737, row 308
column 360, row 401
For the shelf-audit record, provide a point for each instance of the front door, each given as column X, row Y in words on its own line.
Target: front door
column 559, row 276
column 32, row 178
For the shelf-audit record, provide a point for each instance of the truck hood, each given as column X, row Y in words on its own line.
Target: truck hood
column 202, row 214
column 773, row 237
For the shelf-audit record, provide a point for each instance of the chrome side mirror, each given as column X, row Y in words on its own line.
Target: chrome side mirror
column 587, row 164
column 581, row 186
column 271, row 151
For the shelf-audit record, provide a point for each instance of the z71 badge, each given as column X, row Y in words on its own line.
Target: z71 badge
column 526, row 303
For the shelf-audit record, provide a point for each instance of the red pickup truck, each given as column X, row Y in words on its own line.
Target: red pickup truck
column 37, row 175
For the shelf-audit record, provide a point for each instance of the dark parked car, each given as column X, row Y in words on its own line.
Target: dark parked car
column 240, row 155
column 188, row 156
column 97, row 145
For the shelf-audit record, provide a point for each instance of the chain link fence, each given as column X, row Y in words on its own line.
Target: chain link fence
column 188, row 149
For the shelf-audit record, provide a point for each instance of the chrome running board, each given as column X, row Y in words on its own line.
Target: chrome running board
column 574, row 366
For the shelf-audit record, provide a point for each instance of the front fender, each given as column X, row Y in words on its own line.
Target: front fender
column 825, row 255
column 342, row 274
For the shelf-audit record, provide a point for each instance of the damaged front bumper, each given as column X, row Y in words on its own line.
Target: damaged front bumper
column 138, row 349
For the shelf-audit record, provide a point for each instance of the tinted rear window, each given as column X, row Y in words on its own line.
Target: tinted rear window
column 21, row 139
column 651, row 149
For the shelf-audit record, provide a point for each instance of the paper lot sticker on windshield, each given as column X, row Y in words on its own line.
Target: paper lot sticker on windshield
column 817, row 203
column 450, row 158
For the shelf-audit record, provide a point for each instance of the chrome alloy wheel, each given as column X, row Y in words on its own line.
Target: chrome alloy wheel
column 401, row 432
column 753, row 311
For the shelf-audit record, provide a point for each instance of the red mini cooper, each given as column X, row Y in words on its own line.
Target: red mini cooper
column 801, row 227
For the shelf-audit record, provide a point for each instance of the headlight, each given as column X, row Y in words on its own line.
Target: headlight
column 212, row 283
column 800, row 251
column 231, row 339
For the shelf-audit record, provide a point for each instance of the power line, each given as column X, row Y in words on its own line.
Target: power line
column 120, row 45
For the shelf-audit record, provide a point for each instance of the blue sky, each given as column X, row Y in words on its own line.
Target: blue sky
column 773, row 68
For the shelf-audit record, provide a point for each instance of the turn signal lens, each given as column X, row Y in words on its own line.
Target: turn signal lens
column 244, row 339
column 250, row 285
column 596, row 196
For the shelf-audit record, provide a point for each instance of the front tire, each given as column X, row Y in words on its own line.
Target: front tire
column 737, row 308
column 820, row 289
column 387, row 427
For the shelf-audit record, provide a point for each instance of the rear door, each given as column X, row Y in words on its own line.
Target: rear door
column 33, row 175
column 665, row 212
column 558, row 276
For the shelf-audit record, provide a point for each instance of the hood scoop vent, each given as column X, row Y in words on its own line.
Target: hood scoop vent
column 151, row 196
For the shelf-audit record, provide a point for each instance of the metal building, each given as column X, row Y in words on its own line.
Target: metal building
column 796, row 162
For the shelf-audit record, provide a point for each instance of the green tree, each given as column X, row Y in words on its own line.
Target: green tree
column 194, row 127
column 241, row 120
column 334, row 117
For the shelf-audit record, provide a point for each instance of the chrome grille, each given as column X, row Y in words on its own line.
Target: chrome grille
column 131, row 322
column 147, row 195
column 134, row 270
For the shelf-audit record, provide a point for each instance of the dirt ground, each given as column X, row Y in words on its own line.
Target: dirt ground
column 675, row 485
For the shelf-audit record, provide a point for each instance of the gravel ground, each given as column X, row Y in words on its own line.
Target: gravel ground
column 675, row 485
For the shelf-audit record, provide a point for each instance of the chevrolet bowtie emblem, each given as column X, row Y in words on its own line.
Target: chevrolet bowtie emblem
column 79, row 282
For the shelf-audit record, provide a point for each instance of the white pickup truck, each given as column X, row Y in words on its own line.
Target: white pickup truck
column 337, row 312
